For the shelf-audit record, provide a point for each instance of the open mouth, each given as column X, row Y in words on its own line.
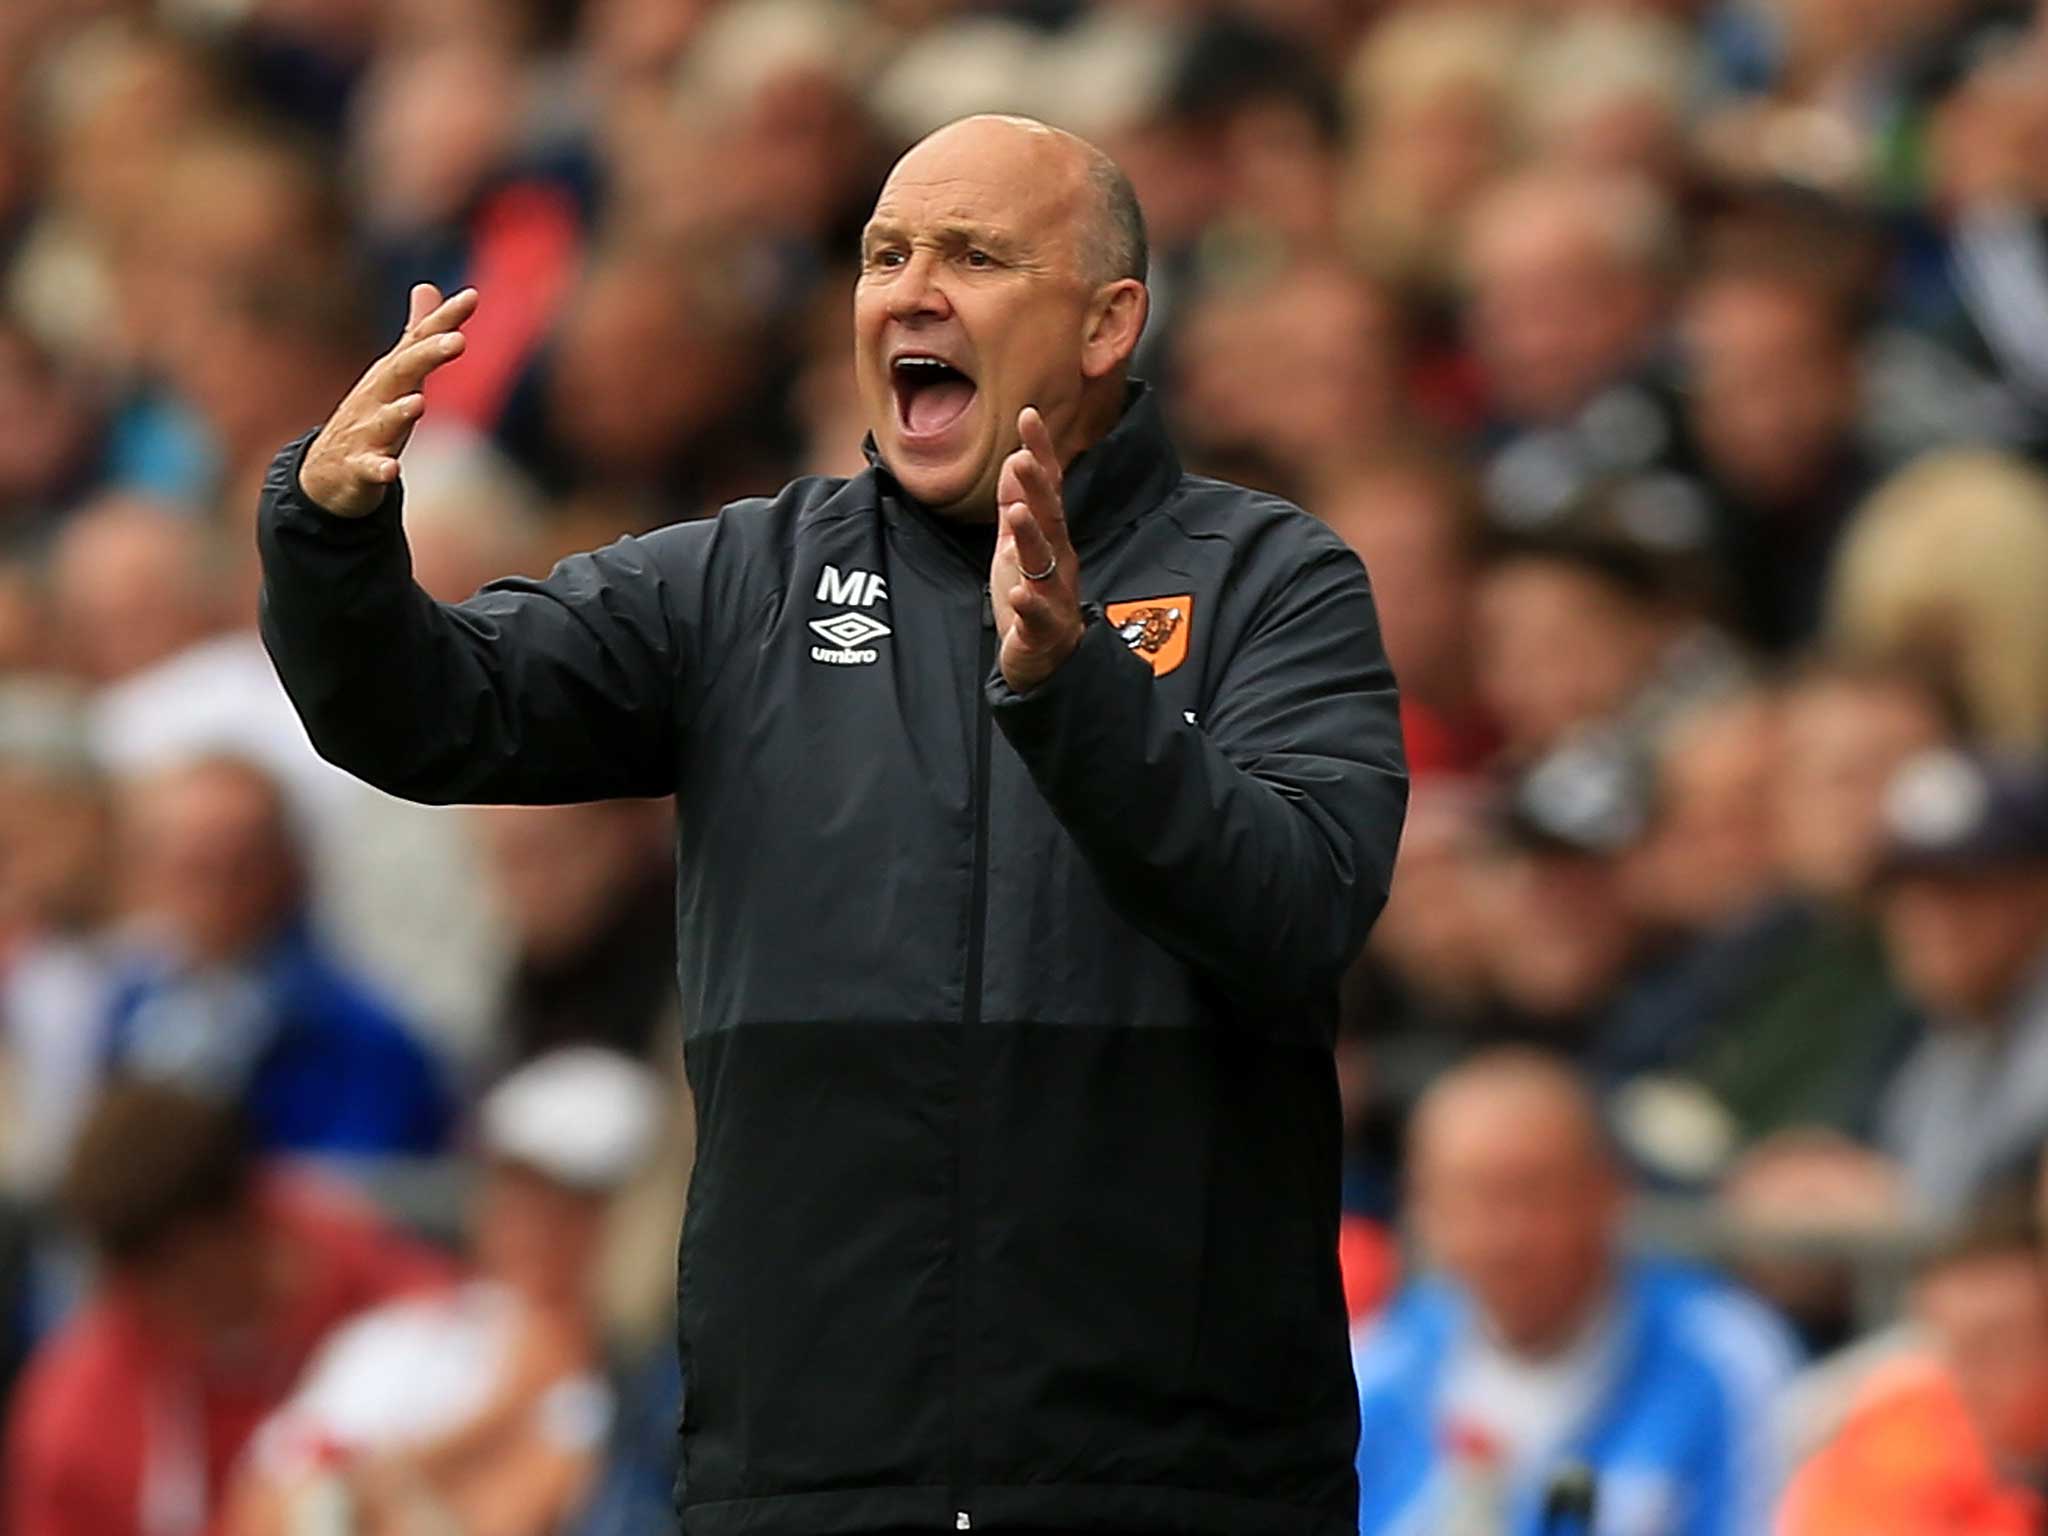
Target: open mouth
column 931, row 394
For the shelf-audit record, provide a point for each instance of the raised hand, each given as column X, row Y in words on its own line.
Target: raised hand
column 355, row 457
column 1035, row 580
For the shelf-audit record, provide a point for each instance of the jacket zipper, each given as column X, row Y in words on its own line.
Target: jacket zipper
column 970, row 1035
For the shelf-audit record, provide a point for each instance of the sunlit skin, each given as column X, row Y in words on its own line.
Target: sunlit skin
column 971, row 256
column 984, row 254
column 979, row 255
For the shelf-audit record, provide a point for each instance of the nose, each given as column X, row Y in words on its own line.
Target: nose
column 917, row 294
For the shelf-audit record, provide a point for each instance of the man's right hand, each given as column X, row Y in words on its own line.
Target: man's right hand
column 355, row 458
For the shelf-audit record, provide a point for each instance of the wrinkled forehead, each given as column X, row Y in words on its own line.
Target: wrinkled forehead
column 1014, row 184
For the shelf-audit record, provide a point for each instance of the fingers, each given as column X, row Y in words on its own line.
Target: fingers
column 432, row 337
column 1026, row 486
column 1037, row 437
column 1034, row 550
column 356, row 453
column 406, row 369
column 1040, row 612
column 382, row 437
column 391, row 424
column 376, row 468
column 1038, row 472
column 1039, row 606
column 425, row 299
column 1039, row 615
column 445, row 314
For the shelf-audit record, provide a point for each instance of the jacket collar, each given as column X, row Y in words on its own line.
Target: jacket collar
column 1128, row 473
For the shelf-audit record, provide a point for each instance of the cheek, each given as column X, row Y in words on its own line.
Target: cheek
column 870, row 315
column 1023, row 350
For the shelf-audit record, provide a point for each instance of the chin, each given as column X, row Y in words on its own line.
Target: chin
column 942, row 487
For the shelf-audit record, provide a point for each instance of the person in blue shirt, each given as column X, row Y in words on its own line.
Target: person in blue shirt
column 1537, row 1351
column 236, row 999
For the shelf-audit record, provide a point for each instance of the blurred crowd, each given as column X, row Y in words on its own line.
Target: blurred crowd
column 1678, row 367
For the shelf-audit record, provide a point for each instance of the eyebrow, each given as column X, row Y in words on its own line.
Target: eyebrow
column 951, row 232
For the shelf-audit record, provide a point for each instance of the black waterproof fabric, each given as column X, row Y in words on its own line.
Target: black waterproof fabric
column 1008, row 1017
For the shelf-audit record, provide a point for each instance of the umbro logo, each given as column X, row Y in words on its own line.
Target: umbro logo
column 851, row 635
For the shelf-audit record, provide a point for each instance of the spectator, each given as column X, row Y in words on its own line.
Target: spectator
column 1849, row 726
column 1803, row 1206
column 1964, row 904
column 140, row 621
column 132, row 586
column 1773, row 399
column 1622, row 338
column 446, row 197
column 1422, row 993
column 382, row 875
column 57, row 893
column 1431, row 94
column 1586, row 628
column 1991, row 190
column 1762, row 1014
column 236, row 999
column 118, row 99
column 219, row 1280
column 1569, row 277
column 484, row 1407
column 1417, row 522
column 1565, row 944
column 1609, row 93
column 1954, row 1438
column 647, row 396
column 1295, row 372
column 48, row 461
column 773, row 85
column 586, row 893
column 1538, row 1346
column 1939, row 569
column 1797, row 1020
column 1567, row 285
column 394, row 883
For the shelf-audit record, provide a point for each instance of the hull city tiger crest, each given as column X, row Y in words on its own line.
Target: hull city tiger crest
column 1154, row 627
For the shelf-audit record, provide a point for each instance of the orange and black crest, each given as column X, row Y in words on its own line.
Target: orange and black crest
column 1156, row 628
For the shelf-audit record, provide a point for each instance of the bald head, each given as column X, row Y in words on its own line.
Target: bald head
column 1516, row 1195
column 1005, row 261
column 1109, row 226
column 1518, row 1097
column 210, row 847
column 129, row 583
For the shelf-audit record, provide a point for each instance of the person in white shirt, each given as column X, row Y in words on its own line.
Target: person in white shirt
column 483, row 1409
column 1540, row 1356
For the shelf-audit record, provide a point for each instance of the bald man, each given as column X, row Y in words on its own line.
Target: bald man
column 1033, row 797
column 1538, row 1348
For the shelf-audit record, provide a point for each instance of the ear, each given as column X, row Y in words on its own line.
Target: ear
column 1115, row 321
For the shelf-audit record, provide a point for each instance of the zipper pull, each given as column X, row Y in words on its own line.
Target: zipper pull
column 988, row 621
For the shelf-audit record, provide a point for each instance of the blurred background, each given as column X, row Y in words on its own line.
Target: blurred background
column 1678, row 367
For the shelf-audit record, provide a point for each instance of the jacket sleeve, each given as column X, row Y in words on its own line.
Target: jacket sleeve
column 536, row 692
column 1257, row 844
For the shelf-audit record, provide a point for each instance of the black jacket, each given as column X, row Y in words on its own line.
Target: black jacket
column 1008, row 1017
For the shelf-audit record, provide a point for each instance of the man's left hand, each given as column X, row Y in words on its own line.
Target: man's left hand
column 1035, row 581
